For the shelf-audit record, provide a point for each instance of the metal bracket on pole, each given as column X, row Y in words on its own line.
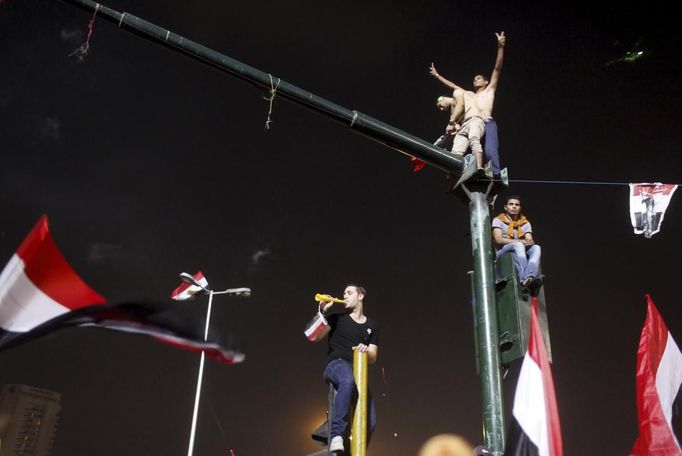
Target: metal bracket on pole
column 504, row 176
column 484, row 182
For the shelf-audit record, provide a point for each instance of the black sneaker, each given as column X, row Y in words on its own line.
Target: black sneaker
column 537, row 281
column 525, row 283
column 536, row 284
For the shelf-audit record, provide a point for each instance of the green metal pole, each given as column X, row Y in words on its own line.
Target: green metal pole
column 361, row 123
column 487, row 339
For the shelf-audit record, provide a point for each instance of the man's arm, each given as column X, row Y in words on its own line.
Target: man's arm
column 371, row 350
column 501, row 41
column 433, row 72
column 500, row 240
column 456, row 111
column 528, row 239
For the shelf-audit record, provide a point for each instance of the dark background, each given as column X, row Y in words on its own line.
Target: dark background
column 148, row 164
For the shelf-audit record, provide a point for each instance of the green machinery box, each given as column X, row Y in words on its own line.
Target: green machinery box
column 513, row 312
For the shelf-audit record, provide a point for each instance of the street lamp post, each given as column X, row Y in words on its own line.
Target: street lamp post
column 244, row 292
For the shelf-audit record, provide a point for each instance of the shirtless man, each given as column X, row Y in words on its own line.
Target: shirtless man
column 456, row 108
column 470, row 133
column 463, row 108
column 484, row 96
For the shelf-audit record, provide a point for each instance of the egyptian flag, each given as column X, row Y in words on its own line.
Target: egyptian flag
column 187, row 291
column 535, row 429
column 659, row 376
column 648, row 203
column 41, row 293
column 316, row 327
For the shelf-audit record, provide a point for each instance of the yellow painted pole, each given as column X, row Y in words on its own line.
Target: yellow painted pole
column 358, row 444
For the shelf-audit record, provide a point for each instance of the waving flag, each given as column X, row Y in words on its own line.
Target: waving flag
column 38, row 285
column 648, row 203
column 317, row 327
column 186, row 290
column 41, row 293
column 659, row 377
column 535, row 429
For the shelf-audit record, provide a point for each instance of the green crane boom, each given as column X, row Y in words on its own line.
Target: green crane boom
column 359, row 122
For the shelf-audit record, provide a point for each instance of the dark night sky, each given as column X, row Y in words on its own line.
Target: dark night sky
column 148, row 164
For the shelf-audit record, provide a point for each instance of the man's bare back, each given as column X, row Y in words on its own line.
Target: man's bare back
column 469, row 102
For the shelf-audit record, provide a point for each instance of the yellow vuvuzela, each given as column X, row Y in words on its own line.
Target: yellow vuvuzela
column 327, row 298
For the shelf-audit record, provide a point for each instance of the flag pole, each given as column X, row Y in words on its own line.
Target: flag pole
column 243, row 292
column 197, row 397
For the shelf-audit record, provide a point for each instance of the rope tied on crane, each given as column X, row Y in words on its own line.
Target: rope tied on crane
column 82, row 51
column 270, row 99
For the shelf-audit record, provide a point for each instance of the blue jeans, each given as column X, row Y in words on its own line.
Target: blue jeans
column 491, row 145
column 340, row 374
column 527, row 262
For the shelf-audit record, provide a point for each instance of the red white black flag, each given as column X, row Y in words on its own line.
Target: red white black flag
column 41, row 293
column 648, row 203
column 659, row 377
column 535, row 429
column 316, row 327
column 186, row 290
column 38, row 285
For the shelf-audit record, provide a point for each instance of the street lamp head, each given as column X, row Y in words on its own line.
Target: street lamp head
column 242, row 292
column 238, row 292
column 189, row 279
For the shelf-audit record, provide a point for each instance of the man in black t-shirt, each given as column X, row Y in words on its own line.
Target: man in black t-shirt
column 348, row 331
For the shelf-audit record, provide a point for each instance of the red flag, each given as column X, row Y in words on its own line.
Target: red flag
column 417, row 164
column 186, row 290
column 41, row 293
column 659, row 377
column 316, row 327
column 537, row 430
column 38, row 284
